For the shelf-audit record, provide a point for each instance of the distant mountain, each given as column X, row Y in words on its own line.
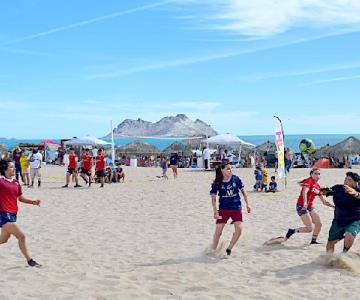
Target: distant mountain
column 180, row 125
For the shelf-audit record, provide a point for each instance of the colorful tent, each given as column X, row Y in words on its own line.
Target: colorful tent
column 49, row 142
column 324, row 163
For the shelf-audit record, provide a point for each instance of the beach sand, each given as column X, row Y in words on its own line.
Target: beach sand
column 147, row 238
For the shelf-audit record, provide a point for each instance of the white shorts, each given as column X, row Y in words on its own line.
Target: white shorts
column 35, row 173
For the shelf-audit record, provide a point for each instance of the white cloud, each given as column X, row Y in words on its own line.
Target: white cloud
column 169, row 64
column 319, row 70
column 270, row 17
column 88, row 22
column 330, row 80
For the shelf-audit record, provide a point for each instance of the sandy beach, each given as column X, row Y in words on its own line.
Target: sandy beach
column 146, row 238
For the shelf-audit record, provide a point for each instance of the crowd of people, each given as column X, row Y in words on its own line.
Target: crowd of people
column 227, row 189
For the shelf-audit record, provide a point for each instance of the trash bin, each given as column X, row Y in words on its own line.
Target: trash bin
column 133, row 162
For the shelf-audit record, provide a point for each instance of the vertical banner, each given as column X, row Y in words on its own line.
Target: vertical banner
column 279, row 141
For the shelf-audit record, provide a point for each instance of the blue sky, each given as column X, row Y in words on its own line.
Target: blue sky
column 68, row 67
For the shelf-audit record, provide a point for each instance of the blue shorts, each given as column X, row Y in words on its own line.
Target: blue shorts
column 6, row 217
column 301, row 211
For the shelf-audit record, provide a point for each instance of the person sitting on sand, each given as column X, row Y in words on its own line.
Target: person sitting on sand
column 304, row 206
column 10, row 193
column 264, row 179
column 346, row 222
column 272, row 185
column 228, row 187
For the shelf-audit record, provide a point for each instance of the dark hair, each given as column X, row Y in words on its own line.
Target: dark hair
column 354, row 176
column 4, row 164
column 272, row 177
column 219, row 175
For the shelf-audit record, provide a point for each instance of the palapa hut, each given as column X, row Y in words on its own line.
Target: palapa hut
column 349, row 146
column 183, row 147
column 321, row 152
column 266, row 148
column 137, row 148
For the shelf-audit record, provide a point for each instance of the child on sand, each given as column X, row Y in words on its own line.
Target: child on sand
column 228, row 187
column 272, row 185
column 164, row 167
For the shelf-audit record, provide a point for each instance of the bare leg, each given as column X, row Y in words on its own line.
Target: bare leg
column 218, row 231
column 236, row 234
column 306, row 219
column 317, row 223
column 330, row 246
column 13, row 229
column 348, row 241
column 5, row 235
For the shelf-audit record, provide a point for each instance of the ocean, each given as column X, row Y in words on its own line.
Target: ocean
column 291, row 141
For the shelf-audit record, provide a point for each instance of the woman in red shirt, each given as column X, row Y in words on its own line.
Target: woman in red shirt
column 304, row 206
column 10, row 192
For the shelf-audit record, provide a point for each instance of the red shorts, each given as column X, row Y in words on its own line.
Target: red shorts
column 225, row 214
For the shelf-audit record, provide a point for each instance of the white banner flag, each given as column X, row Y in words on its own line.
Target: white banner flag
column 279, row 141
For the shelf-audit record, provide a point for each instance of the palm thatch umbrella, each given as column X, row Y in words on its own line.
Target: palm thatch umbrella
column 137, row 148
column 268, row 147
column 349, row 146
column 321, row 152
column 182, row 147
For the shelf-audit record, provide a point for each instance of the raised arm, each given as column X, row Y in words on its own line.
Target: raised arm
column 352, row 192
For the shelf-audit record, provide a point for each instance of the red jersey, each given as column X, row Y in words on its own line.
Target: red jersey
column 72, row 161
column 9, row 193
column 87, row 162
column 314, row 190
column 100, row 162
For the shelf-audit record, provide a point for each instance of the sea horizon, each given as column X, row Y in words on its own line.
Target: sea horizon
column 291, row 140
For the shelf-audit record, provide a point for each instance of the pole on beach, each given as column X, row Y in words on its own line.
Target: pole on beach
column 280, row 146
column 112, row 144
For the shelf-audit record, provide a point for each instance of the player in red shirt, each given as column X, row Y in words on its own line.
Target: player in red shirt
column 10, row 193
column 72, row 169
column 100, row 166
column 304, row 206
column 86, row 165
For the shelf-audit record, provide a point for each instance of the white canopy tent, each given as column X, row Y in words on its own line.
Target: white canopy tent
column 228, row 139
column 87, row 141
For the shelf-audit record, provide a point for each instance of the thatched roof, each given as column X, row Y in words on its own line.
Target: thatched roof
column 349, row 146
column 266, row 147
column 138, row 147
column 182, row 147
column 321, row 152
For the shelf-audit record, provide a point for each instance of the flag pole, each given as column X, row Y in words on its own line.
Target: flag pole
column 280, row 145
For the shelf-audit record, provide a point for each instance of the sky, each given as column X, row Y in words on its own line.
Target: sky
column 69, row 67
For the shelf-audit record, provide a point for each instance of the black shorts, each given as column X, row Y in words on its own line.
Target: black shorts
column 85, row 172
column 71, row 171
column 100, row 173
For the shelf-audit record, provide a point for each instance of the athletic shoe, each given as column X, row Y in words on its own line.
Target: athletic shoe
column 228, row 252
column 33, row 263
column 77, row 185
column 65, row 186
column 290, row 233
column 315, row 243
